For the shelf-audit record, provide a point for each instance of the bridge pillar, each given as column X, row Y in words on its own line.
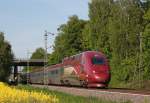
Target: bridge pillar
column 16, row 75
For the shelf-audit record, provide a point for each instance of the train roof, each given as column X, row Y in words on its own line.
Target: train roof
column 67, row 59
column 83, row 53
column 48, row 67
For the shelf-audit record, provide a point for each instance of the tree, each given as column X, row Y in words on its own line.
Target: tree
column 126, row 23
column 6, row 58
column 99, row 14
column 38, row 54
column 69, row 40
column 146, row 45
column 86, row 38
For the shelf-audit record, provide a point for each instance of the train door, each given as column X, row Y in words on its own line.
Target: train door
column 82, row 68
column 82, row 72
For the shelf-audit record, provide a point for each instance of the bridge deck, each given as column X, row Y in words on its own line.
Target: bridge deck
column 31, row 62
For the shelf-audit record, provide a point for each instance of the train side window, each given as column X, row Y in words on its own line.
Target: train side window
column 51, row 72
column 56, row 71
column 62, row 70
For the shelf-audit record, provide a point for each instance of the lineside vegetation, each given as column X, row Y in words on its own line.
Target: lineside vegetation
column 13, row 95
column 6, row 57
column 66, row 98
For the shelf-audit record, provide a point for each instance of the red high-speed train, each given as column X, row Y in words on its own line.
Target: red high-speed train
column 87, row 69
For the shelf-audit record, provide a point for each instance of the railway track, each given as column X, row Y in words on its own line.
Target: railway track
column 113, row 94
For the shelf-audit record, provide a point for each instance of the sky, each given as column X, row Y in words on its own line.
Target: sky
column 24, row 21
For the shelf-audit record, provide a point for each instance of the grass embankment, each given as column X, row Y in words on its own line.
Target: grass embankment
column 65, row 98
column 137, row 85
column 28, row 94
column 13, row 95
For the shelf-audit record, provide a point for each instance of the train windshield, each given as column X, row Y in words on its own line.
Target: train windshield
column 98, row 60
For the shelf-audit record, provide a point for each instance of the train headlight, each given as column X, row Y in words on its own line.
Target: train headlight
column 97, row 77
column 94, row 72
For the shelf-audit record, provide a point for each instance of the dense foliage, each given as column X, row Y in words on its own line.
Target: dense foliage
column 69, row 40
column 39, row 53
column 146, row 45
column 126, row 25
column 6, row 58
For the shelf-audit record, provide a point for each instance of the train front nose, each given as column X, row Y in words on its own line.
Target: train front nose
column 101, row 78
column 101, row 73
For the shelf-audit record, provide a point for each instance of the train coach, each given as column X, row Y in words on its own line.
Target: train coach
column 87, row 69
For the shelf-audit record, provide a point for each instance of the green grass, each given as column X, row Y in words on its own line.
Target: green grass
column 67, row 98
column 136, row 84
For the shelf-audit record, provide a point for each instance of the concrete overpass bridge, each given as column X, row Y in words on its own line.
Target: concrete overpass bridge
column 28, row 62
column 25, row 62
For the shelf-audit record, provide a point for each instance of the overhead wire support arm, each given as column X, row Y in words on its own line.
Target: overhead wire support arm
column 46, row 56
